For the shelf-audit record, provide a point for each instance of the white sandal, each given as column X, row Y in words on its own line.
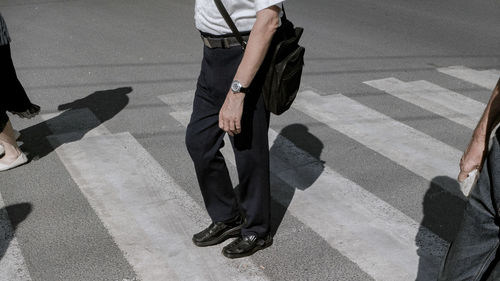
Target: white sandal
column 22, row 159
column 16, row 136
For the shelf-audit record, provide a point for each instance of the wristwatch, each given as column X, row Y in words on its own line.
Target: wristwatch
column 236, row 87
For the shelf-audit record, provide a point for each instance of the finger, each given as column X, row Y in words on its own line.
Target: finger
column 462, row 176
column 232, row 127
column 221, row 122
column 226, row 126
column 466, row 173
column 238, row 127
column 468, row 167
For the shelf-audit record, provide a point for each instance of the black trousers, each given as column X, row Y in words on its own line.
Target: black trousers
column 204, row 139
column 12, row 94
column 3, row 119
column 474, row 253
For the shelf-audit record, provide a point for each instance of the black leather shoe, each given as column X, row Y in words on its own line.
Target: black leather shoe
column 246, row 246
column 218, row 232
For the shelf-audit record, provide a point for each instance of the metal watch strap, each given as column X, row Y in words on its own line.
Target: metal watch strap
column 230, row 23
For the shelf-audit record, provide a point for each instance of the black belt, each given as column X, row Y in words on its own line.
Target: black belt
column 221, row 42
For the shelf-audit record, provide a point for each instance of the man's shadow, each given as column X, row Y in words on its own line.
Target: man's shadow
column 302, row 168
column 443, row 212
column 10, row 218
column 78, row 118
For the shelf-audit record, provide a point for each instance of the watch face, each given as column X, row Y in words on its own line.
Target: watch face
column 236, row 86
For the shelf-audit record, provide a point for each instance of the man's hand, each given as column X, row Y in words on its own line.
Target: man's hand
column 472, row 158
column 231, row 112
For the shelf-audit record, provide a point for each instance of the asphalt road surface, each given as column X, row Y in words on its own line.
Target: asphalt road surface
column 363, row 165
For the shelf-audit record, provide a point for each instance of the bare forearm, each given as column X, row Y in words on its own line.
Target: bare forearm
column 478, row 146
column 490, row 116
column 258, row 43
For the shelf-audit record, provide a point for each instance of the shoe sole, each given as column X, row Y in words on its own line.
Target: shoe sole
column 242, row 255
column 231, row 233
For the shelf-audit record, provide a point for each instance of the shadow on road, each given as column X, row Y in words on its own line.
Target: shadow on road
column 304, row 174
column 10, row 217
column 78, row 118
column 443, row 213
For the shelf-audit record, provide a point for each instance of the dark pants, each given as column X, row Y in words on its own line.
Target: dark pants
column 204, row 139
column 473, row 255
column 12, row 94
column 3, row 119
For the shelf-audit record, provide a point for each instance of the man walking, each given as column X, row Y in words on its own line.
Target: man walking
column 474, row 253
column 228, row 100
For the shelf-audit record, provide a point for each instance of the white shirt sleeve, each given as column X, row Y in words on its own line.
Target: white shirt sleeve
column 262, row 4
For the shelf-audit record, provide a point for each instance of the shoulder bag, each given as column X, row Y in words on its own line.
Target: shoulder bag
column 282, row 67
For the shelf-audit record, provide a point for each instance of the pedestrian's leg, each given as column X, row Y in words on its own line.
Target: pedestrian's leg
column 3, row 122
column 12, row 156
column 252, row 160
column 476, row 244
column 8, row 141
column 14, row 96
column 204, row 139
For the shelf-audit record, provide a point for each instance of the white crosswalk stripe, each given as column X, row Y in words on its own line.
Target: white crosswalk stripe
column 402, row 144
column 484, row 78
column 431, row 97
column 348, row 211
column 149, row 216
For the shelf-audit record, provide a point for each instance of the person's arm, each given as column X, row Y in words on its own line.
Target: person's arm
column 478, row 146
column 258, row 43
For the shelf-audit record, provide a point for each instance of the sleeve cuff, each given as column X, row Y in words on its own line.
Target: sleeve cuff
column 261, row 5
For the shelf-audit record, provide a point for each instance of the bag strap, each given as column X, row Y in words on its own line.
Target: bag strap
column 283, row 9
column 232, row 26
column 230, row 22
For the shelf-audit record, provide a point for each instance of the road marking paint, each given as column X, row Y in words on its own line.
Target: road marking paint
column 12, row 264
column 431, row 97
column 348, row 213
column 410, row 148
column 179, row 102
column 148, row 215
column 484, row 78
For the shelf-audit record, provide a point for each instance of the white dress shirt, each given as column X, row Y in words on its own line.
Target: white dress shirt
column 243, row 12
